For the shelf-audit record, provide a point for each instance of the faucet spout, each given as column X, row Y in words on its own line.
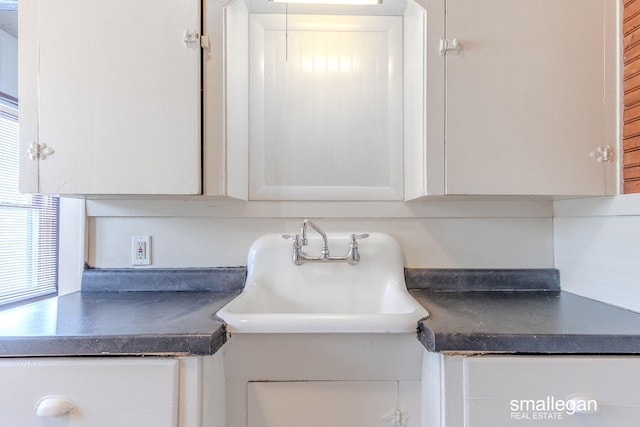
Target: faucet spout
column 324, row 253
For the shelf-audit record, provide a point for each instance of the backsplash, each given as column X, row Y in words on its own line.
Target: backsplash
column 221, row 279
column 434, row 234
column 483, row 280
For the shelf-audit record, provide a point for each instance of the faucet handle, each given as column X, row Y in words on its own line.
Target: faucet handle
column 295, row 238
column 353, row 256
column 355, row 237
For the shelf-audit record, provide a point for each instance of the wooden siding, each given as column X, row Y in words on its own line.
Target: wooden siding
column 631, row 87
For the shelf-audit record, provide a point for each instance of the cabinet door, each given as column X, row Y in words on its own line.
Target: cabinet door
column 326, row 101
column 530, row 96
column 100, row 392
column 322, row 403
column 557, row 391
column 112, row 87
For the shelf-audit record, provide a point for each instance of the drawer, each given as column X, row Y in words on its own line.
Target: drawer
column 555, row 391
column 123, row 392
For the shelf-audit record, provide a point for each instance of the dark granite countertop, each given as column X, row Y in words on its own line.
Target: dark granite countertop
column 172, row 312
column 130, row 320
column 478, row 314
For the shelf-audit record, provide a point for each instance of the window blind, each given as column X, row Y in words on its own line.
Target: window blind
column 28, row 226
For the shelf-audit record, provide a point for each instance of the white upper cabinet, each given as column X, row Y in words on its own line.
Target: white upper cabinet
column 316, row 98
column 312, row 102
column 325, row 107
column 523, row 104
column 529, row 96
column 110, row 89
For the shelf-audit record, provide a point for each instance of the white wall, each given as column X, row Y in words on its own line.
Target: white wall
column 8, row 64
column 459, row 234
column 597, row 248
column 71, row 244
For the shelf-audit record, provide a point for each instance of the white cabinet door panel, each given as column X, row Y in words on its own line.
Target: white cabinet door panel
column 326, row 107
column 531, row 94
column 321, row 403
column 103, row 392
column 508, row 391
column 117, row 94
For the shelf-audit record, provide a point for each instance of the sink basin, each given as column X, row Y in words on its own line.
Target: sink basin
column 281, row 297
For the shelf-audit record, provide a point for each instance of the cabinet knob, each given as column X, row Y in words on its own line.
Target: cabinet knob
column 53, row 406
column 603, row 154
column 582, row 404
column 39, row 151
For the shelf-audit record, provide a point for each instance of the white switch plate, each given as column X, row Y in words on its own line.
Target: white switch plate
column 140, row 250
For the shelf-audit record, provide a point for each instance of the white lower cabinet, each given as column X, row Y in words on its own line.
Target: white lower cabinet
column 478, row 391
column 322, row 403
column 321, row 380
column 87, row 392
column 107, row 392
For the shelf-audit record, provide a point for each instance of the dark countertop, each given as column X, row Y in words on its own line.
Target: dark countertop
column 470, row 311
column 518, row 318
column 136, row 321
column 115, row 323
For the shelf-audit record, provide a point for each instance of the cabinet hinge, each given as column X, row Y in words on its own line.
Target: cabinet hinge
column 396, row 417
column 449, row 46
column 39, row 151
column 603, row 154
column 194, row 39
column 204, row 42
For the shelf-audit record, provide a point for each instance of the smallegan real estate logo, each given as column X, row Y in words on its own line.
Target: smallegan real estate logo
column 551, row 408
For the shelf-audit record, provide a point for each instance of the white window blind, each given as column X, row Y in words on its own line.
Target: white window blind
column 28, row 226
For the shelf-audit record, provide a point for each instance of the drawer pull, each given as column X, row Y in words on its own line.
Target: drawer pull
column 52, row 406
column 582, row 404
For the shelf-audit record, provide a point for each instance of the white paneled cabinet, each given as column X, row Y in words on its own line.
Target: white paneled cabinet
column 113, row 90
column 530, row 94
column 325, row 107
column 347, row 104
column 114, row 391
column 323, row 380
column 104, row 392
column 323, row 403
column 315, row 98
column 521, row 108
column 478, row 391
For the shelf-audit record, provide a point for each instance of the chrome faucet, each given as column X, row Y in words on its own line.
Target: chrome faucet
column 324, row 252
column 299, row 240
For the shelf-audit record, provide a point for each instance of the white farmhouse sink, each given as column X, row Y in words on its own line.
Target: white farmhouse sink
column 323, row 297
